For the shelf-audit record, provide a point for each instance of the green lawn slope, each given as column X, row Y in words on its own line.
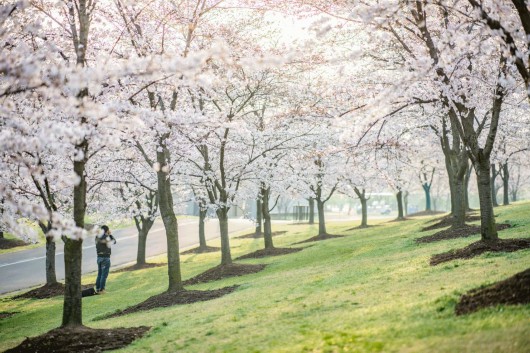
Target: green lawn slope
column 371, row 291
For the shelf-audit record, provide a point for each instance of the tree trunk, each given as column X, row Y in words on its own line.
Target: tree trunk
column 321, row 219
column 364, row 212
column 466, row 188
column 488, row 230
column 267, row 236
column 406, row 203
column 142, row 240
column 1, row 234
column 222, row 215
column 259, row 220
column 202, row 235
column 72, row 308
column 427, row 190
column 170, row 221
column 364, row 205
column 399, row 198
column 514, row 195
column 452, row 193
column 456, row 165
column 51, row 276
column 73, row 251
column 492, row 185
column 311, row 210
column 505, row 184
column 459, row 214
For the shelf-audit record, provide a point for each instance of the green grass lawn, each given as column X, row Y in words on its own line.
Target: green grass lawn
column 371, row 291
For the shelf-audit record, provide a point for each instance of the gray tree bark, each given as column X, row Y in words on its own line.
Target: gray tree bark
column 168, row 217
column 505, row 184
column 361, row 194
column 259, row 220
column 399, row 199
column 222, row 215
column 492, row 185
column 488, row 229
column 311, row 210
column 267, row 235
column 202, row 235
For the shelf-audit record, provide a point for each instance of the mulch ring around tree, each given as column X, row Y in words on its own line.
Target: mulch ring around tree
column 269, row 252
column 140, row 267
column 480, row 247
column 260, row 235
column 224, row 271
column 200, row 250
column 512, row 291
column 319, row 238
column 447, row 221
column 48, row 291
column 7, row 314
column 81, row 339
column 175, row 298
column 463, row 232
column 11, row 243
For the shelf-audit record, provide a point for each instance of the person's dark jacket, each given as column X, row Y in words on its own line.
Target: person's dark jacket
column 103, row 244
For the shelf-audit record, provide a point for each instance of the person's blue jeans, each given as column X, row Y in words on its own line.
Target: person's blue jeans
column 103, row 272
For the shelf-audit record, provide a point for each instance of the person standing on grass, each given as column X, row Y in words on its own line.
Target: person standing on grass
column 103, row 244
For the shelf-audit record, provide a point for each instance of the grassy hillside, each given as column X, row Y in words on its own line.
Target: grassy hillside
column 371, row 291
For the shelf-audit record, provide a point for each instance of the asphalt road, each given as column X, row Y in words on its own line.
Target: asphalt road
column 24, row 269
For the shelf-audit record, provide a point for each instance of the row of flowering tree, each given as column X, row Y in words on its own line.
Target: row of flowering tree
column 122, row 108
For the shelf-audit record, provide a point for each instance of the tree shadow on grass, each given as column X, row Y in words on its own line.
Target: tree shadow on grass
column 7, row 314
column 395, row 220
column 224, row 271
column 319, row 238
column 80, row 339
column 425, row 213
column 166, row 299
column 200, row 250
column 512, row 291
column 361, row 227
column 140, row 267
column 455, row 233
column 269, row 252
column 481, row 247
column 48, row 291
column 260, row 235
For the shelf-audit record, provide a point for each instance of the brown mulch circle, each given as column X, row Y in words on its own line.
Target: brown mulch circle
column 512, row 291
column 11, row 243
column 80, row 339
column 269, row 252
column 7, row 314
column 425, row 213
column 319, row 238
column 48, row 291
column 140, row 267
column 466, row 231
column 260, row 235
column 201, row 250
column 224, row 271
column 447, row 221
column 181, row 297
column 480, row 247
